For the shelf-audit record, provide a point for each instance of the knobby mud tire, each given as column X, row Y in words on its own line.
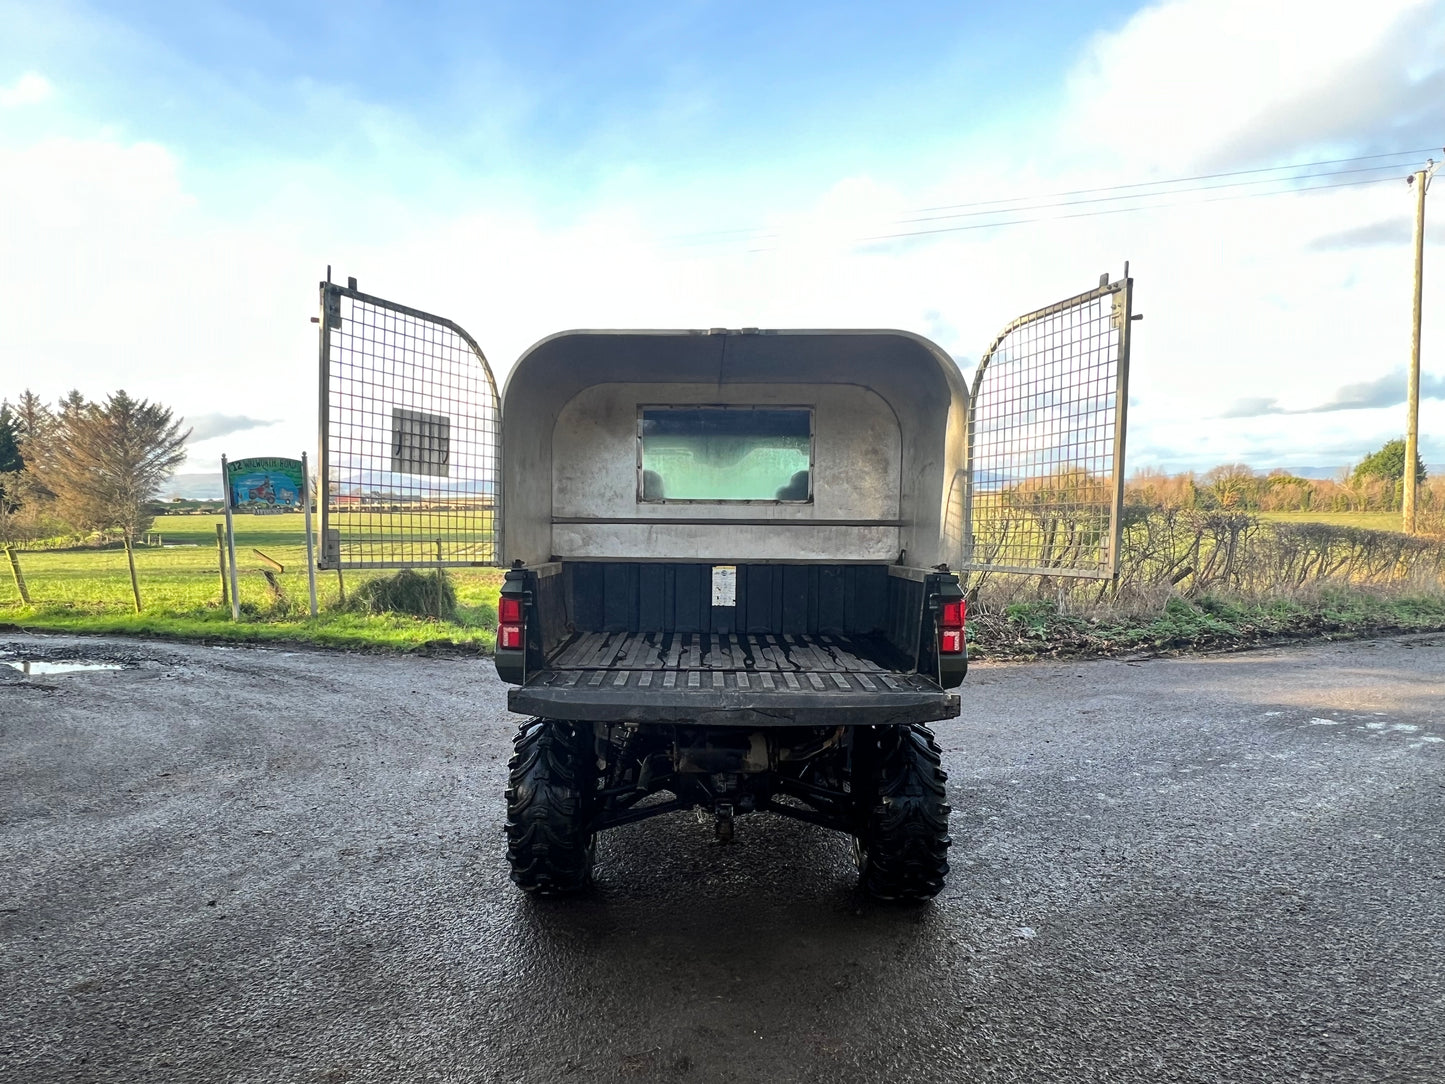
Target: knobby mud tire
column 548, row 789
column 902, row 854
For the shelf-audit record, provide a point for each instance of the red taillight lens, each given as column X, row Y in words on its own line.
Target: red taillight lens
column 951, row 617
column 509, row 623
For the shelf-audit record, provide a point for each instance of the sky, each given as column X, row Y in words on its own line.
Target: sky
column 175, row 178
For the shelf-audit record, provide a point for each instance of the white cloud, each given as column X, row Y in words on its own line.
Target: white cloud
column 131, row 280
column 213, row 426
column 30, row 89
column 121, row 278
column 1279, row 299
column 1193, row 84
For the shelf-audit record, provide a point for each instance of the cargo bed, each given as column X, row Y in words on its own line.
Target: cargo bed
column 730, row 679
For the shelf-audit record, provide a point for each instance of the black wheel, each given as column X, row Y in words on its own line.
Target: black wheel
column 548, row 791
column 902, row 851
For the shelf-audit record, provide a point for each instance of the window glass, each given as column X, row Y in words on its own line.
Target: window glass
column 726, row 454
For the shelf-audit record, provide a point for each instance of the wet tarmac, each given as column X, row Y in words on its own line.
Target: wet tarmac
column 258, row 865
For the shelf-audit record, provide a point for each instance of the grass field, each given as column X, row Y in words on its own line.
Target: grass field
column 1371, row 521
column 89, row 590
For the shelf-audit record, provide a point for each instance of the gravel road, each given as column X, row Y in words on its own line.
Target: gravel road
column 257, row 865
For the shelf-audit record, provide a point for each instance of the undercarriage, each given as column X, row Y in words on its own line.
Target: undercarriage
column 882, row 785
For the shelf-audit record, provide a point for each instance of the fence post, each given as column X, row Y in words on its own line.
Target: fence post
column 221, row 563
column 19, row 576
column 130, row 562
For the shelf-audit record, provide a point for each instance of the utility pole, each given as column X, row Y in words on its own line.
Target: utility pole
column 1420, row 179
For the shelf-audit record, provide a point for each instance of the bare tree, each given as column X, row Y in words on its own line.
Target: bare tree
column 107, row 462
column 1232, row 486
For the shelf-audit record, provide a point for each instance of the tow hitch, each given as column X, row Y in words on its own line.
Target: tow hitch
column 723, row 821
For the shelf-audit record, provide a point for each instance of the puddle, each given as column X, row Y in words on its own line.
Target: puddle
column 25, row 666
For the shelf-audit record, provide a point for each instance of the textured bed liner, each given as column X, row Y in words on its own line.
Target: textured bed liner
column 753, row 680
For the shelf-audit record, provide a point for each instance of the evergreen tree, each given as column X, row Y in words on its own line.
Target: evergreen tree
column 34, row 423
column 11, row 462
column 72, row 406
column 1388, row 464
column 106, row 462
column 10, row 458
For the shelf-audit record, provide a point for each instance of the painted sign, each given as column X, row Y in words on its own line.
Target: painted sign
column 265, row 485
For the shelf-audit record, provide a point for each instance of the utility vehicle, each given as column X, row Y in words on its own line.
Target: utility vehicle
column 733, row 562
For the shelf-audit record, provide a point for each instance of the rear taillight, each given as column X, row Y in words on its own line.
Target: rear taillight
column 951, row 618
column 509, row 623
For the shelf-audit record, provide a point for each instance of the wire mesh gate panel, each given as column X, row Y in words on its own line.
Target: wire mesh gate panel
column 410, row 424
column 1045, row 470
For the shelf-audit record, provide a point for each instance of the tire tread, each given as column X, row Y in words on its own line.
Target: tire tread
column 903, row 855
column 548, row 848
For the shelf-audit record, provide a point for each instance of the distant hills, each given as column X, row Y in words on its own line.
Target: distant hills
column 207, row 486
column 194, row 487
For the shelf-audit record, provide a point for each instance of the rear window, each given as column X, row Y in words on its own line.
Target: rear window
column 725, row 454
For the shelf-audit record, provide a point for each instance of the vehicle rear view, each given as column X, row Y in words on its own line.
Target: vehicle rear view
column 733, row 593
column 732, row 557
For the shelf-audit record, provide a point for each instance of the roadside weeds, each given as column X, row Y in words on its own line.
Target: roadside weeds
column 1041, row 629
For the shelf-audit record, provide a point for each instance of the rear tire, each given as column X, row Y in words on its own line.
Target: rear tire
column 549, row 791
column 902, row 853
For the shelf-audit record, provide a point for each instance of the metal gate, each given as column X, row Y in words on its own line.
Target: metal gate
column 1044, row 478
column 410, row 423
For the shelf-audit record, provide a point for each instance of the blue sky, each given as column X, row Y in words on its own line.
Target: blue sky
column 557, row 105
column 176, row 177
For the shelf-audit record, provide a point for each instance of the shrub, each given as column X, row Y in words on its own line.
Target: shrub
column 422, row 594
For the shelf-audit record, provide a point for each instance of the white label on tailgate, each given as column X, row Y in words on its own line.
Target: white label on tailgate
column 724, row 585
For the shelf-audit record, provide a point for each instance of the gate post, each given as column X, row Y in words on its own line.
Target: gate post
column 1123, row 321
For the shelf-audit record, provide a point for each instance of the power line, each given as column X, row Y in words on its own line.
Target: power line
column 1028, row 203
column 1128, row 210
column 1110, row 211
column 1177, row 191
column 1185, row 180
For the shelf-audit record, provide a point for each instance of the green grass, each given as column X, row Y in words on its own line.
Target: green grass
column 88, row 590
column 1371, row 521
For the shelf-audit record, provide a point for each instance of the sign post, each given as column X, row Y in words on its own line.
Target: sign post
column 310, row 539
column 231, row 540
column 263, row 486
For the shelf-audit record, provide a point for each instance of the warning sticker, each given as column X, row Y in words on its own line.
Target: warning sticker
column 724, row 585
